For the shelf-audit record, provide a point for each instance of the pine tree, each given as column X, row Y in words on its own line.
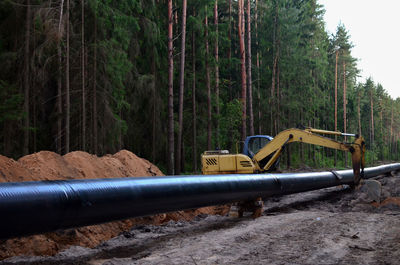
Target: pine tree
column 59, row 82
column 83, row 77
column 249, row 82
column 242, row 53
column 216, row 52
column 171, row 169
column 208, row 83
column 181, row 91
column 26, row 77
column 67, row 81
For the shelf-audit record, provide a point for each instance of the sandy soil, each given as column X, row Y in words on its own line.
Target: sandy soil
column 330, row 226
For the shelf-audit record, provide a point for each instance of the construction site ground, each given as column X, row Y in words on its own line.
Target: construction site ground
column 330, row 226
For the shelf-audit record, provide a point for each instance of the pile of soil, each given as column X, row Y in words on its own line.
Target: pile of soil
column 80, row 165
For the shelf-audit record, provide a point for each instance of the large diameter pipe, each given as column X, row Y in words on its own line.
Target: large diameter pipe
column 36, row 207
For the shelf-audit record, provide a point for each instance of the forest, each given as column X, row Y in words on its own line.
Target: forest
column 168, row 80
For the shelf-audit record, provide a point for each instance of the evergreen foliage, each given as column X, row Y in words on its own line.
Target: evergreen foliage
column 126, row 58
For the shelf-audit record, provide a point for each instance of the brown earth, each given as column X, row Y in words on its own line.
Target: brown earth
column 80, row 165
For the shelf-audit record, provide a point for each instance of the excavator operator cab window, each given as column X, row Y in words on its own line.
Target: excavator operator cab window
column 255, row 143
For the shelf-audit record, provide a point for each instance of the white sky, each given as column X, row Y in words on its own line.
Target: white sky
column 373, row 27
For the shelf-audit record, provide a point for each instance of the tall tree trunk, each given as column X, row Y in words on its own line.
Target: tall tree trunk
column 372, row 119
column 7, row 138
column 35, row 119
column 396, row 154
column 309, row 147
column 382, row 135
column 194, row 102
column 34, row 100
column 154, row 136
column 183, row 156
column 336, row 94
column 258, row 69
column 344, row 109
column 273, row 96
column 59, row 83
column 83, row 78
column 34, row 95
column 359, row 112
column 120, row 131
column 216, row 71
column 178, row 161
column 391, row 136
column 288, row 158
column 301, row 144
column 278, row 96
column 208, row 85
column 67, row 83
column 274, row 70
column 230, row 48
column 381, row 116
column 171, row 169
column 26, row 77
column 249, row 83
column 95, row 135
column 242, row 65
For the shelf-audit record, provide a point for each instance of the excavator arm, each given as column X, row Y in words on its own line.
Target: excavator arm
column 263, row 159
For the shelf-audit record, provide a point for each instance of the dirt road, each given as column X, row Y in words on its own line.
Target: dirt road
column 330, row 226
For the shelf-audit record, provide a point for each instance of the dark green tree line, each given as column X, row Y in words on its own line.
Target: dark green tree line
column 100, row 76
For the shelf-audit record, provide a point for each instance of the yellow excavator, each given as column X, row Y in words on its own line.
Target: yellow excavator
column 261, row 153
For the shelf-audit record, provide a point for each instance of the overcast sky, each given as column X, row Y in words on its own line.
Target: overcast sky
column 374, row 31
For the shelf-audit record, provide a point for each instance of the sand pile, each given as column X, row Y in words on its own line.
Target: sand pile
column 79, row 165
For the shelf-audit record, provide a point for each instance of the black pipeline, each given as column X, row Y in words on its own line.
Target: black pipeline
column 36, row 207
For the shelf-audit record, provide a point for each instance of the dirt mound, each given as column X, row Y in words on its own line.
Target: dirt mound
column 80, row 165
column 11, row 170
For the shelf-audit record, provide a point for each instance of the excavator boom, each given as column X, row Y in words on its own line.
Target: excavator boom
column 311, row 136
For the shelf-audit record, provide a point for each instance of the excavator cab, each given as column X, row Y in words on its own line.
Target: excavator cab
column 255, row 143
